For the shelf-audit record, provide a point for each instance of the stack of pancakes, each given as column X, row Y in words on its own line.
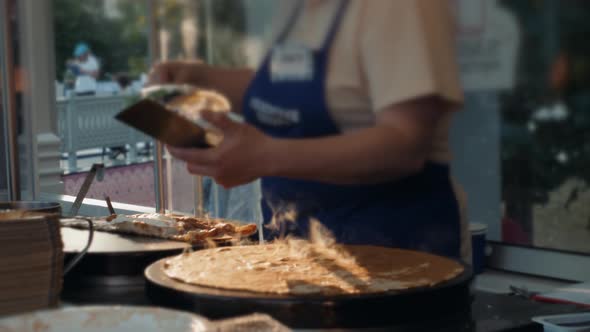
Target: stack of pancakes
column 31, row 261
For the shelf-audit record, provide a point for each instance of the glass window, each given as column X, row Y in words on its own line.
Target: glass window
column 523, row 139
column 225, row 33
column 546, row 129
column 120, row 39
column 101, row 59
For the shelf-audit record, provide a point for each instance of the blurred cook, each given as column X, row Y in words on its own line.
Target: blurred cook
column 86, row 68
column 347, row 122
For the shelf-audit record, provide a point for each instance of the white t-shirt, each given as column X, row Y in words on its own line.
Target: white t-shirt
column 86, row 83
column 385, row 52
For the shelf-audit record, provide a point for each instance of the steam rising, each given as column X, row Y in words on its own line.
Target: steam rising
column 320, row 235
column 320, row 241
column 281, row 218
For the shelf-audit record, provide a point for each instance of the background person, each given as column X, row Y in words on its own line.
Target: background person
column 86, row 69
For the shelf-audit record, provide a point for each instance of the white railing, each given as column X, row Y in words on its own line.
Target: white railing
column 88, row 122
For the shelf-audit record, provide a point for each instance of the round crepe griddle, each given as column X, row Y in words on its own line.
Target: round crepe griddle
column 116, row 254
column 444, row 304
column 112, row 269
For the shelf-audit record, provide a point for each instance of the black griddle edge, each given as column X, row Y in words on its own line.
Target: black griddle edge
column 441, row 306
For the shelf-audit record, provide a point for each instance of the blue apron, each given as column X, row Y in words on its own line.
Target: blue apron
column 419, row 212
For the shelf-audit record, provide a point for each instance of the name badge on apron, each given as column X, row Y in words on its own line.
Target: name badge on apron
column 291, row 62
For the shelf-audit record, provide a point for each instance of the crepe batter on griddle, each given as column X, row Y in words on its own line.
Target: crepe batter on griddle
column 298, row 267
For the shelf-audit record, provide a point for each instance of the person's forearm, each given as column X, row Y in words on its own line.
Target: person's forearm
column 230, row 82
column 370, row 155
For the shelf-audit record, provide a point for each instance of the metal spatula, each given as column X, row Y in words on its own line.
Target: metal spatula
column 97, row 170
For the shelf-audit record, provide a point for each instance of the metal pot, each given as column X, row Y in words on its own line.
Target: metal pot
column 50, row 210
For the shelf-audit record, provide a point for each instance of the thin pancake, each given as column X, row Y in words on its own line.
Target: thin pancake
column 192, row 104
column 298, row 267
column 188, row 229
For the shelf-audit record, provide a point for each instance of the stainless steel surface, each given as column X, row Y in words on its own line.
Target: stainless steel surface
column 72, row 263
column 95, row 171
column 155, row 56
column 199, row 193
column 535, row 261
column 8, row 93
column 159, row 178
column 106, row 243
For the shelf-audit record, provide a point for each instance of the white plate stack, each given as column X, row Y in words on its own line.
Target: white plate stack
column 31, row 261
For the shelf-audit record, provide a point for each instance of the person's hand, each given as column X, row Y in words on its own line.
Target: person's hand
column 240, row 158
column 178, row 72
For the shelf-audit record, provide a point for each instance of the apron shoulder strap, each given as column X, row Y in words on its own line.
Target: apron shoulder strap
column 335, row 25
column 290, row 22
column 332, row 30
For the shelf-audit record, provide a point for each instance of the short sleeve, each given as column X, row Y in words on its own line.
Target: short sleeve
column 408, row 51
column 91, row 64
column 96, row 63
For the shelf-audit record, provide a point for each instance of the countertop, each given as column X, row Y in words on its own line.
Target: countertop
column 496, row 312
column 490, row 312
